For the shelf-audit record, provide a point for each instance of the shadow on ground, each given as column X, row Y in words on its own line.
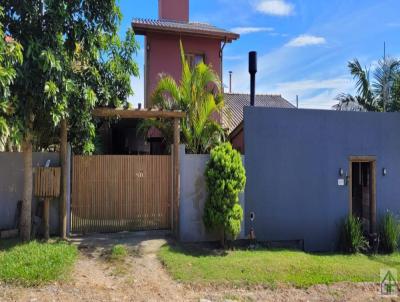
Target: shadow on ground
column 6, row 244
column 138, row 242
column 198, row 249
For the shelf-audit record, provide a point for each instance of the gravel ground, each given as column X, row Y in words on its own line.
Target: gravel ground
column 141, row 277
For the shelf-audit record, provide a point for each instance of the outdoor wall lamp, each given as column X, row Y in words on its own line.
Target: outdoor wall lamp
column 384, row 171
column 341, row 172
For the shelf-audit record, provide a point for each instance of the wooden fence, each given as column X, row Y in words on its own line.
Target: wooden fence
column 47, row 182
column 121, row 193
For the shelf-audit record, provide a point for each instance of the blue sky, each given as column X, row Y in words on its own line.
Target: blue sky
column 303, row 45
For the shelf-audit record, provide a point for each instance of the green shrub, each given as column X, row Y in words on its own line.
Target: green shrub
column 352, row 239
column 118, row 252
column 225, row 178
column 389, row 233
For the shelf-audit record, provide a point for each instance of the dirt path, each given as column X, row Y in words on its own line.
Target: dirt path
column 142, row 278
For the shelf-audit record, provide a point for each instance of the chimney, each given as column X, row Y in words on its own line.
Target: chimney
column 173, row 10
column 252, row 71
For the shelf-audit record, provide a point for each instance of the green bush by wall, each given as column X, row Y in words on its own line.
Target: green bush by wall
column 226, row 179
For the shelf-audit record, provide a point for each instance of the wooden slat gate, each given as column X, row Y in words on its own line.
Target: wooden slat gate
column 121, row 193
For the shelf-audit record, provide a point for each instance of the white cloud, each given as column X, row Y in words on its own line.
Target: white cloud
column 323, row 100
column 393, row 24
column 305, row 85
column 275, row 7
column 315, row 93
column 306, row 40
column 234, row 58
column 251, row 30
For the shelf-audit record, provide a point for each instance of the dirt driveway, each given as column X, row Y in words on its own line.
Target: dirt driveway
column 142, row 278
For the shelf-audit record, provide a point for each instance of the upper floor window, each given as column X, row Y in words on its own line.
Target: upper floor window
column 194, row 59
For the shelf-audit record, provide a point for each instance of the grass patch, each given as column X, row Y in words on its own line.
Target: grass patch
column 35, row 263
column 117, row 260
column 118, row 252
column 271, row 267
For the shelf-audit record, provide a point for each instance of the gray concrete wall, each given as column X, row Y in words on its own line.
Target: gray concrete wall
column 292, row 163
column 11, row 186
column 193, row 196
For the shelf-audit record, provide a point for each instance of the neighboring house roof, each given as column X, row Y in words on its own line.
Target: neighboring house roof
column 143, row 26
column 235, row 102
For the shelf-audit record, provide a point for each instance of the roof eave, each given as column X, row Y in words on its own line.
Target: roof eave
column 236, row 131
column 141, row 29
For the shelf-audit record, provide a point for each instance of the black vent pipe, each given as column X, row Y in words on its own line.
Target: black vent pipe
column 252, row 71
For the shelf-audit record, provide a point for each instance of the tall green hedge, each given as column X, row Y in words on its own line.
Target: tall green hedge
column 226, row 179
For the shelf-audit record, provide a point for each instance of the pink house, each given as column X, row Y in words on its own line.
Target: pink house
column 162, row 54
column 201, row 42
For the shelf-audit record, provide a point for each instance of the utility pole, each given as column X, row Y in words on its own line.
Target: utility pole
column 384, row 51
column 297, row 101
column 385, row 88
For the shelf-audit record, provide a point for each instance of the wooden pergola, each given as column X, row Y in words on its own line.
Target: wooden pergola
column 125, row 114
column 138, row 113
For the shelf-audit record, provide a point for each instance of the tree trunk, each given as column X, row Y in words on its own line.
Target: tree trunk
column 26, row 212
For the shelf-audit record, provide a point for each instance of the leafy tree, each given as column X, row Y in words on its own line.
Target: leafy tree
column 73, row 61
column 10, row 56
column 225, row 178
column 103, row 81
column 372, row 95
column 199, row 95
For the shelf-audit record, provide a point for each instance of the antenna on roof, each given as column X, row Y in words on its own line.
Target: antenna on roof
column 297, row 101
column 230, row 81
column 384, row 50
column 386, row 88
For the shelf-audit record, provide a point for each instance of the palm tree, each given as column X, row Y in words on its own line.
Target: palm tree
column 372, row 96
column 395, row 93
column 199, row 95
column 347, row 102
column 385, row 76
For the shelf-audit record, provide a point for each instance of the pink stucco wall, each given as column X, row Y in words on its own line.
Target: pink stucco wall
column 177, row 10
column 163, row 56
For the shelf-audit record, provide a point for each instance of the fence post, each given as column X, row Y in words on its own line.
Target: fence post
column 64, row 177
column 69, row 192
column 176, row 176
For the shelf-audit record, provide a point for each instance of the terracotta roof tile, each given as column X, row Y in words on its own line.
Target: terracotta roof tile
column 141, row 26
column 234, row 103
